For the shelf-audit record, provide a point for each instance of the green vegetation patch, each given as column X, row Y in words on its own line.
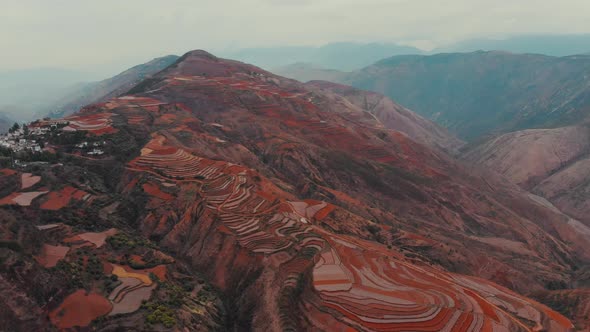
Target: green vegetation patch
column 124, row 241
column 159, row 313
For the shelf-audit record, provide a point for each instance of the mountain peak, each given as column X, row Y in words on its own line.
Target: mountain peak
column 199, row 54
column 203, row 63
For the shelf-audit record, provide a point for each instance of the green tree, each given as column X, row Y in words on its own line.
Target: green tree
column 14, row 127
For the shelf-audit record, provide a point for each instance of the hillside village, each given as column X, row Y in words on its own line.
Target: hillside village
column 24, row 139
column 36, row 138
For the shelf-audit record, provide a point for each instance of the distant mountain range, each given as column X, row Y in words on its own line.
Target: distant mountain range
column 95, row 92
column 24, row 92
column 554, row 45
column 30, row 93
column 352, row 56
column 26, row 95
column 480, row 93
column 339, row 56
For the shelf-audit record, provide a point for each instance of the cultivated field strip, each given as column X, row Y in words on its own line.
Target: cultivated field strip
column 98, row 124
column 259, row 224
column 380, row 293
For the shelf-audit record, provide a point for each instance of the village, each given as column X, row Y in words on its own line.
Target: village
column 35, row 136
column 22, row 139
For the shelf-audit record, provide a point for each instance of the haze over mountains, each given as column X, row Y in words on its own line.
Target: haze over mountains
column 95, row 92
column 29, row 93
column 310, row 196
column 352, row 56
column 5, row 123
column 24, row 92
column 480, row 93
column 553, row 45
column 339, row 56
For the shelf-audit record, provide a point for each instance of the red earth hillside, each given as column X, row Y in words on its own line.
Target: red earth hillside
column 390, row 115
column 302, row 209
column 552, row 163
column 233, row 113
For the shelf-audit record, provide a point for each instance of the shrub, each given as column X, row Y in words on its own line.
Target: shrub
column 12, row 245
column 159, row 314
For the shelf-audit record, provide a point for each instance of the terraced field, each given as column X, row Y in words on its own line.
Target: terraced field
column 59, row 199
column 364, row 283
column 381, row 293
column 28, row 180
column 21, row 198
column 135, row 287
column 97, row 239
column 50, row 255
column 97, row 124
column 260, row 223
column 80, row 308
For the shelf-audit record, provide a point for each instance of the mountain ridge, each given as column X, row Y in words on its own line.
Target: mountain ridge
column 394, row 116
column 97, row 92
column 272, row 192
column 548, row 162
column 357, row 55
column 552, row 45
column 480, row 94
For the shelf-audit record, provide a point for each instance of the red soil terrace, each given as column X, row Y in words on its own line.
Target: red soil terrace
column 361, row 280
column 79, row 310
column 60, row 199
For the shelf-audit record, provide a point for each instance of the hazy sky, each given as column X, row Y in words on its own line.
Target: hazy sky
column 78, row 33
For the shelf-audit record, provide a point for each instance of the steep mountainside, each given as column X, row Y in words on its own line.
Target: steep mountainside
column 574, row 303
column 552, row 163
column 89, row 93
column 300, row 212
column 528, row 157
column 482, row 93
column 391, row 115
